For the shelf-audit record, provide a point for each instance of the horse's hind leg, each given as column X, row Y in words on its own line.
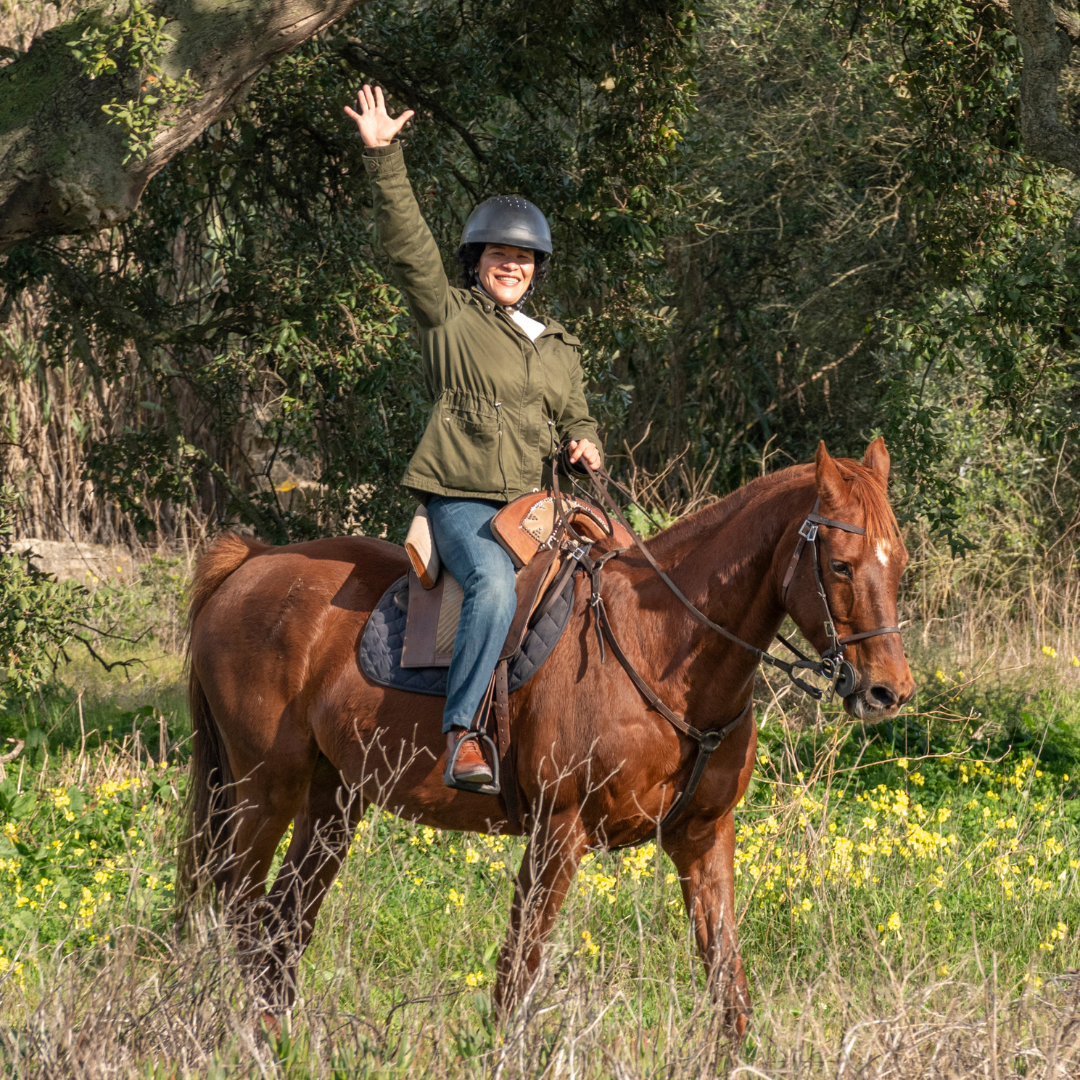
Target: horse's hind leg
column 262, row 813
column 322, row 833
column 705, row 860
column 547, row 869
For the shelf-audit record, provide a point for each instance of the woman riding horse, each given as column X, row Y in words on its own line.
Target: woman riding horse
column 507, row 389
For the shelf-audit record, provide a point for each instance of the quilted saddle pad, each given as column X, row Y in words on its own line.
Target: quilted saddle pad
column 384, row 638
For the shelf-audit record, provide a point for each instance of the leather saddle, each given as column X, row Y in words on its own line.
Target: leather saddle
column 528, row 529
column 546, row 536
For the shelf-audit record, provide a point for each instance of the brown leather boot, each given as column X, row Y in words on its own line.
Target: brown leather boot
column 470, row 765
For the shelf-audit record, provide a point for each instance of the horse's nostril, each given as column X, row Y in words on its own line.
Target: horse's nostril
column 884, row 696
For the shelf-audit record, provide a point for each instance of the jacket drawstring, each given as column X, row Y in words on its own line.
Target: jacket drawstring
column 502, row 467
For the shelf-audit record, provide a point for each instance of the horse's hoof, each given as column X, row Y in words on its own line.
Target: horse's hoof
column 737, row 1023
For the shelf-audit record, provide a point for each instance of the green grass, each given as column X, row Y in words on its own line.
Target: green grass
column 919, row 879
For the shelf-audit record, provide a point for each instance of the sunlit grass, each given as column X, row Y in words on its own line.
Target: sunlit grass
column 924, row 871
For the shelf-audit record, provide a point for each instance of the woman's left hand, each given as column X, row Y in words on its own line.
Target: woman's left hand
column 583, row 448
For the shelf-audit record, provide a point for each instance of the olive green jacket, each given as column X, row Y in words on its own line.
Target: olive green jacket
column 502, row 403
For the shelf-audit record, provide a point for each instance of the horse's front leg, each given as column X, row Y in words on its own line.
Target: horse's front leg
column 704, row 855
column 547, row 869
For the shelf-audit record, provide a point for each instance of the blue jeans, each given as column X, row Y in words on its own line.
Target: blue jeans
column 486, row 576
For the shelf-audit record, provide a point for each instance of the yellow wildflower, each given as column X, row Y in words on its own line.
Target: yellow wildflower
column 588, row 946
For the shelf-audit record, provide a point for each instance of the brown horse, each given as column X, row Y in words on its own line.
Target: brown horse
column 288, row 728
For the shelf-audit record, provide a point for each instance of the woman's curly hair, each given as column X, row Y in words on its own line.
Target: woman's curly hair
column 468, row 259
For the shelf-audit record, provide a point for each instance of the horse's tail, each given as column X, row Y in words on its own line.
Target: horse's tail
column 204, row 847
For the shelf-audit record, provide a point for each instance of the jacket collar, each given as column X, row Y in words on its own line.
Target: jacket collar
column 489, row 304
column 480, row 296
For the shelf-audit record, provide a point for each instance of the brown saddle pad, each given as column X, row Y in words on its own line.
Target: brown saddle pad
column 525, row 526
column 433, row 614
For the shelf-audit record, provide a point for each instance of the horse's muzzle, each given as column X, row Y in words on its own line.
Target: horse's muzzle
column 874, row 703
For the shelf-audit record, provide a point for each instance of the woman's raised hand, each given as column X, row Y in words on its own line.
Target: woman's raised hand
column 377, row 127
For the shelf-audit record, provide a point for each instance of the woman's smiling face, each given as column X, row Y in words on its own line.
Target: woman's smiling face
column 505, row 272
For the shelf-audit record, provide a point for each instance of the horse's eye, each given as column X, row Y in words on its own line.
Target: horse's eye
column 841, row 568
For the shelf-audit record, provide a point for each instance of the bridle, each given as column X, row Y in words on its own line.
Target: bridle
column 838, row 672
column 832, row 666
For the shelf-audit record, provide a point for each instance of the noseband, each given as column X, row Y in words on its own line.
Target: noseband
column 832, row 666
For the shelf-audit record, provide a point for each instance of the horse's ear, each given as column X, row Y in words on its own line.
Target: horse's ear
column 830, row 484
column 876, row 458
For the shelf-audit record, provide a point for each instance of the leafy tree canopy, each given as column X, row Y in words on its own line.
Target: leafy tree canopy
column 774, row 224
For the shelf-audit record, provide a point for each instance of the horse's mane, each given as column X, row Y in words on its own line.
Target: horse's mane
column 865, row 487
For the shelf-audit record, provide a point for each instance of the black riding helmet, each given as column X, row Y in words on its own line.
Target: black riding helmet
column 505, row 219
column 508, row 219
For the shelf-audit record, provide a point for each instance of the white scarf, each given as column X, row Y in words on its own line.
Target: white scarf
column 531, row 327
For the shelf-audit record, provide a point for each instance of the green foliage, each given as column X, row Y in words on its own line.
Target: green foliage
column 772, row 226
column 38, row 617
column 991, row 325
column 267, row 366
column 61, row 854
column 645, row 524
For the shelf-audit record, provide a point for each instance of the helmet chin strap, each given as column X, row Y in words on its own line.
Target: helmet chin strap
column 508, row 307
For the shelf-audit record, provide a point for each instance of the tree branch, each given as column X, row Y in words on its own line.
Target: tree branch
column 62, row 167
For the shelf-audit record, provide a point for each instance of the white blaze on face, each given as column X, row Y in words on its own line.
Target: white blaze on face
column 883, row 552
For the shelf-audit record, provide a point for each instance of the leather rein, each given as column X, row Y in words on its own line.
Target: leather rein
column 837, row 671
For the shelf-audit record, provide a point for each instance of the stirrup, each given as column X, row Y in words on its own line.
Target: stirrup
column 451, row 781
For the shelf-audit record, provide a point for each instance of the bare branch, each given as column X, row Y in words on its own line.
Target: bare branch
column 6, row 759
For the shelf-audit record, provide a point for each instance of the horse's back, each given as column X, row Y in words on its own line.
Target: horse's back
column 350, row 572
column 279, row 606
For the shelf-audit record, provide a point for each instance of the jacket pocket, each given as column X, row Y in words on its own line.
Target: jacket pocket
column 461, row 445
column 476, row 424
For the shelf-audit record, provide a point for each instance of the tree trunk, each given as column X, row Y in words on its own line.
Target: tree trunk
column 62, row 167
column 1046, row 33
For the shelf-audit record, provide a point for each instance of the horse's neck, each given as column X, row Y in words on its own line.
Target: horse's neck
column 724, row 560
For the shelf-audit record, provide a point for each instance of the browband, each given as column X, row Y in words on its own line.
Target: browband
column 867, row 633
column 817, row 519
